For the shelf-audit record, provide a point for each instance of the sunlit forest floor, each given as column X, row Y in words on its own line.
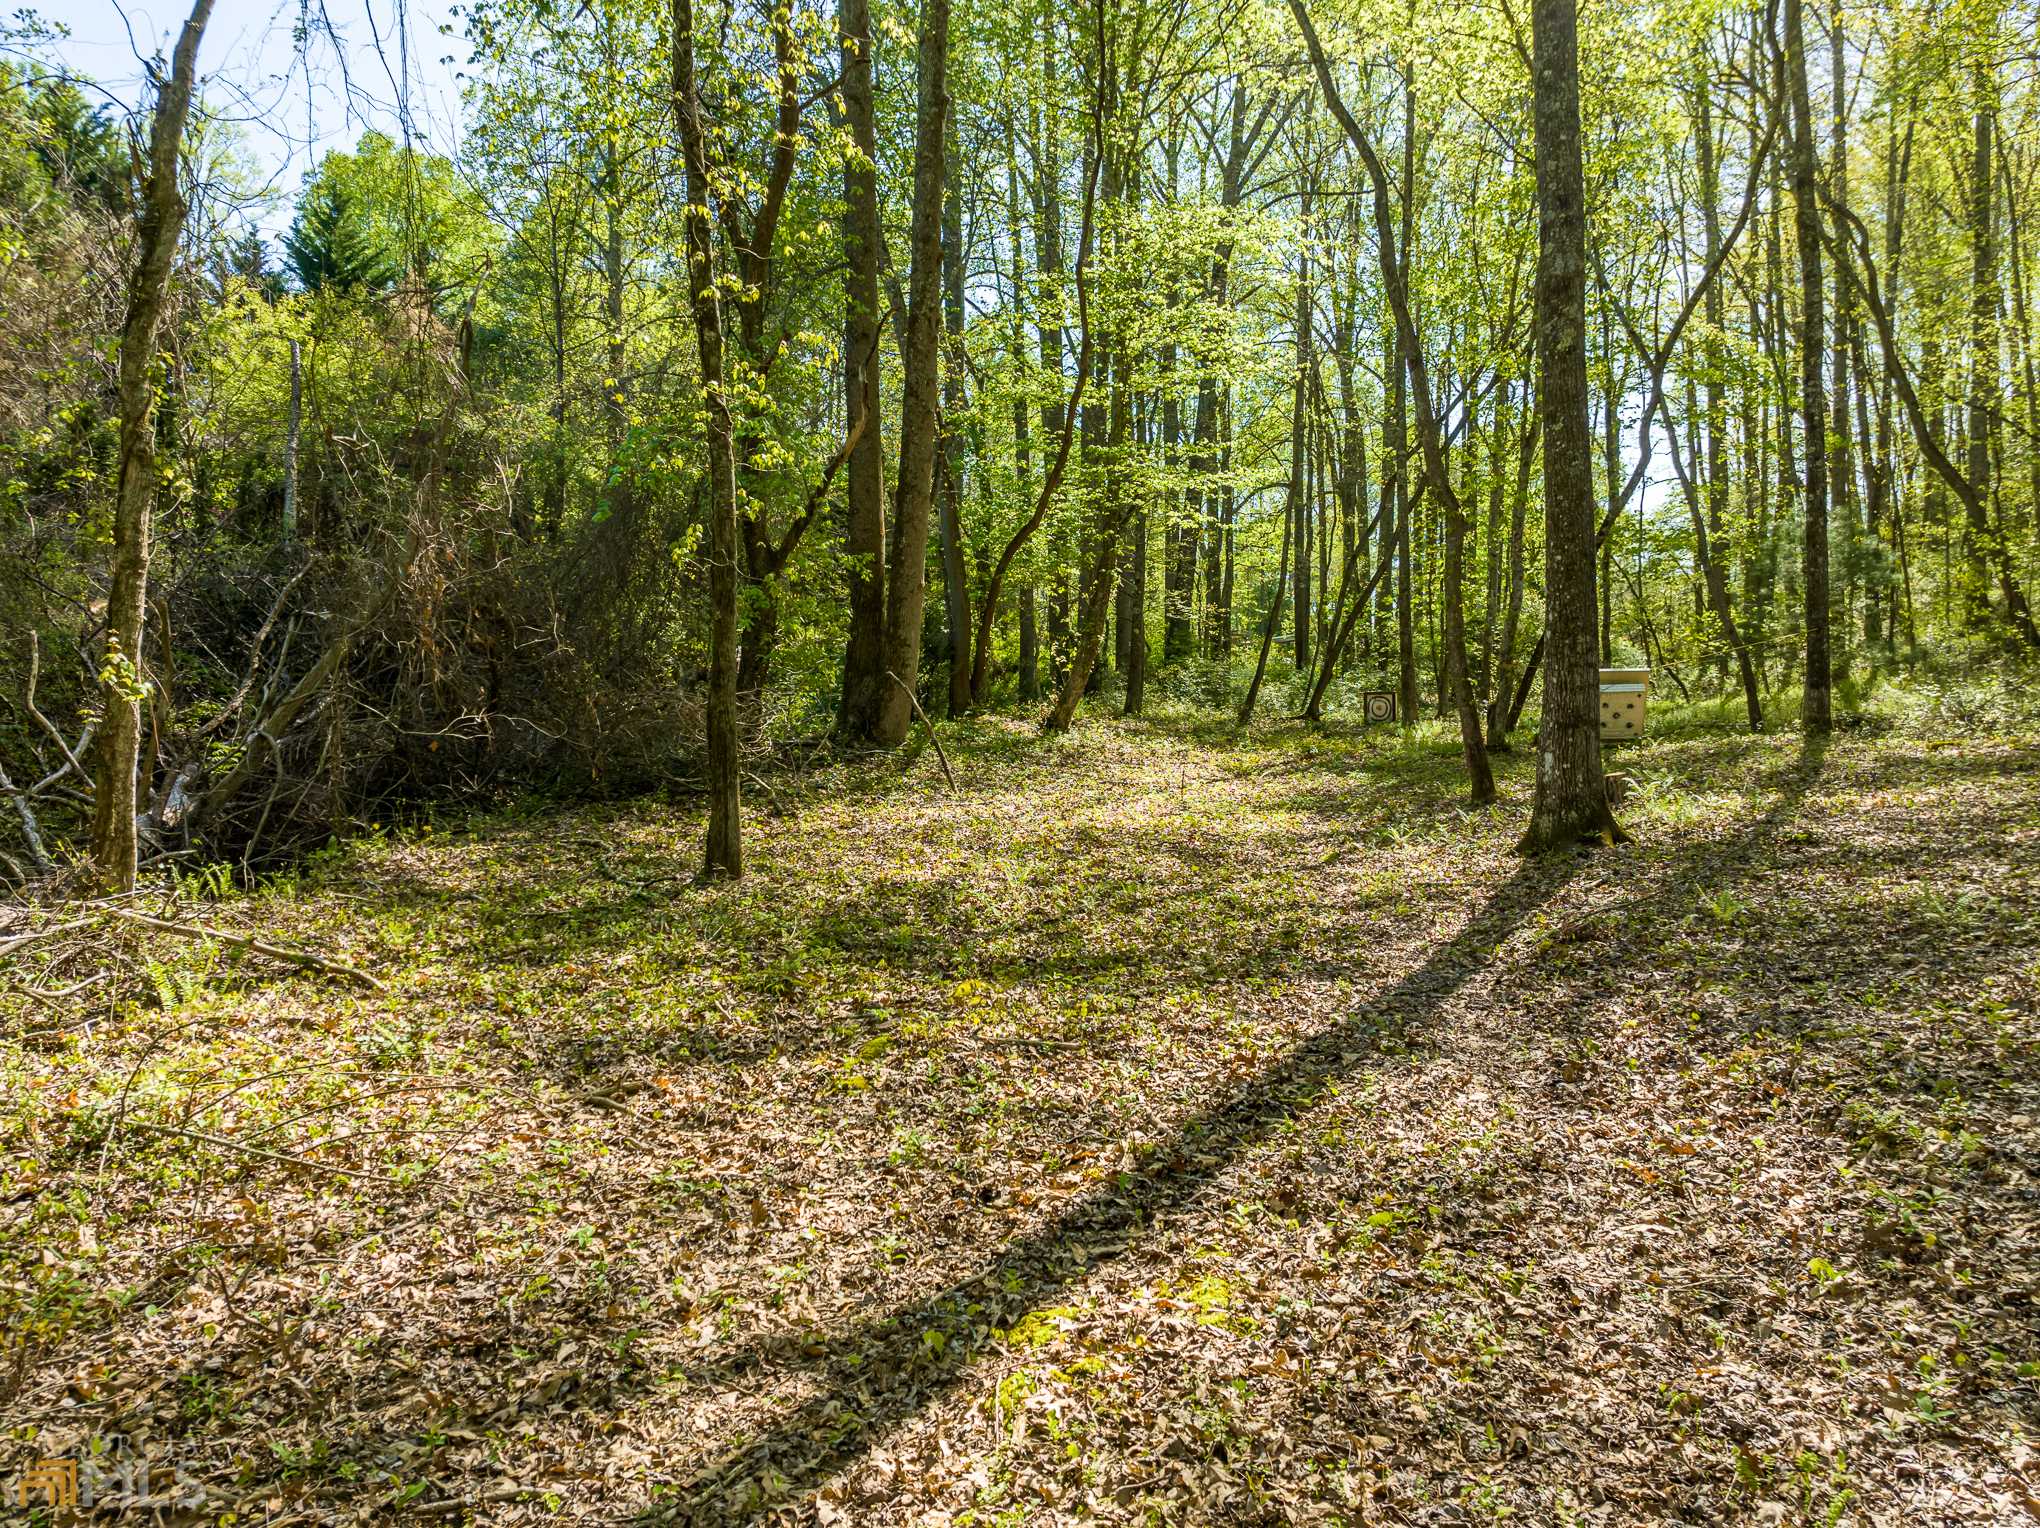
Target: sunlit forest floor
column 1164, row 1128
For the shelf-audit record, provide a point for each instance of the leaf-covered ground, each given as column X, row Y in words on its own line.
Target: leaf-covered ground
column 1165, row 1129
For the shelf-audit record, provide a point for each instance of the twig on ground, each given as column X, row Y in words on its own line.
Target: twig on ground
column 1035, row 1042
column 36, row 936
column 928, row 727
column 247, row 942
column 44, row 995
column 256, row 1151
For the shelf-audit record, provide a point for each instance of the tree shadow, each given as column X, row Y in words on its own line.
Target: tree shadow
column 879, row 1374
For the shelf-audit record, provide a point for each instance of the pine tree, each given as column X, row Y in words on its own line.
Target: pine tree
column 330, row 248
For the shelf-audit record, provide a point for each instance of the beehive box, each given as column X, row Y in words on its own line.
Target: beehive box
column 1625, row 698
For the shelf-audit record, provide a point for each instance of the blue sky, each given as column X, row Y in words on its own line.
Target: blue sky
column 289, row 108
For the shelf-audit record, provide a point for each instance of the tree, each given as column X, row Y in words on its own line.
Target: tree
column 722, row 855
column 122, row 675
column 1571, row 801
column 330, row 247
column 898, row 660
column 1394, row 256
column 1816, row 706
column 864, row 540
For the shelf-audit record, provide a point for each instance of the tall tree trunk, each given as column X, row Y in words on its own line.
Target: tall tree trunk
column 1029, row 675
column 723, row 855
column 1816, row 708
column 115, row 788
column 1571, row 802
column 1137, row 639
column 1298, row 506
column 1228, row 511
column 292, row 424
column 864, row 679
column 1204, row 463
column 1841, row 459
column 1501, row 713
column 1492, row 542
column 913, row 496
column 1253, row 695
column 1983, row 301
column 955, row 587
column 1707, row 533
column 1430, row 435
column 1611, row 468
column 1395, row 451
column 1897, row 176
column 1179, row 530
column 2022, row 332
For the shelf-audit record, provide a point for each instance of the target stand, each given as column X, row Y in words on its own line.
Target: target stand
column 1625, row 704
column 1377, row 706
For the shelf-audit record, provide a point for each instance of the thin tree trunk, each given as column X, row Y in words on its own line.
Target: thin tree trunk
column 723, row 854
column 1707, row 533
column 1501, row 713
column 292, row 425
column 955, row 585
column 1253, row 694
column 1137, row 640
column 1395, row 450
column 913, row 497
column 864, row 677
column 1298, row 506
column 1816, row 708
column 114, row 842
column 1492, row 543
column 1395, row 284
column 1841, row 463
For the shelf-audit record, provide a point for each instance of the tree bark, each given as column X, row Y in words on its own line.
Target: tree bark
column 1395, row 450
column 114, row 845
column 1816, row 707
column 1395, row 283
column 1707, row 533
column 1299, row 506
column 1571, row 802
column 864, row 676
column 907, row 556
column 723, row 853
column 1501, row 713
column 955, row 586
column 292, row 426
column 1841, row 458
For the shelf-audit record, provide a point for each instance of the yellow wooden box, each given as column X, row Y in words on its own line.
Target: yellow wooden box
column 1625, row 699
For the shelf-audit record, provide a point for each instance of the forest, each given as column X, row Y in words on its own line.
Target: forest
column 854, row 764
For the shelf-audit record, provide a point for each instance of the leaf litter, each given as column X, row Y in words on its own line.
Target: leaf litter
column 1166, row 1129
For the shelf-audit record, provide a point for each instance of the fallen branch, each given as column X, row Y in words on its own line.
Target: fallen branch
column 927, row 726
column 35, row 936
column 31, row 830
column 28, row 700
column 245, row 942
column 256, row 1151
column 1030, row 1042
column 53, row 995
